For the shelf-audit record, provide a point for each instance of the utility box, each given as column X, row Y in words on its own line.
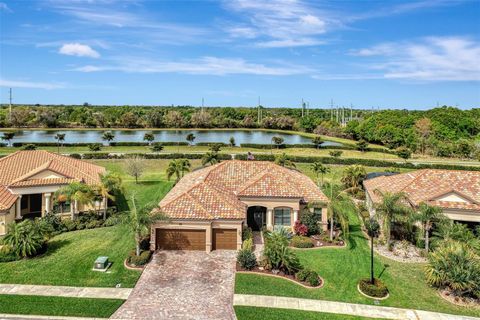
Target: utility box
column 101, row 263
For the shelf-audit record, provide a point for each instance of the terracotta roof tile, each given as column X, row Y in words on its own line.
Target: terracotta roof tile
column 428, row 185
column 213, row 192
column 7, row 199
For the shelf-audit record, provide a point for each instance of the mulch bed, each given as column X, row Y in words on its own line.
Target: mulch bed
column 318, row 242
column 459, row 301
column 280, row 274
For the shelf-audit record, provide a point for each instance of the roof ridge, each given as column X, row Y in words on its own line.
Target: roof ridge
column 213, row 167
column 60, row 159
column 252, row 181
column 10, row 155
column 199, row 203
column 226, row 196
column 422, row 173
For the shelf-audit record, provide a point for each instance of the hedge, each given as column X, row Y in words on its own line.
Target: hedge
column 128, row 144
column 106, row 155
column 208, row 144
column 51, row 144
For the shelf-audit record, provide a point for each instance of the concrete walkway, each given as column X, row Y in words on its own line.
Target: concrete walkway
column 6, row 316
column 341, row 308
column 62, row 291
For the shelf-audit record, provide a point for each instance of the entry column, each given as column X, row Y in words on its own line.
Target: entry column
column 18, row 208
column 269, row 218
column 47, row 203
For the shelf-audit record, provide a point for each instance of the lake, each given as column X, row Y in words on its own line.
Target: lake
column 91, row 136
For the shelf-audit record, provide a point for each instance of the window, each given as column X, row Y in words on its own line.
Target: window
column 62, row 207
column 282, row 217
column 318, row 213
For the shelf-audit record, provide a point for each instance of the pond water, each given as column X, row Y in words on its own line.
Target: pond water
column 91, row 136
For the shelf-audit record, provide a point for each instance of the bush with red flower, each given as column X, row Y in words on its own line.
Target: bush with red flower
column 300, row 229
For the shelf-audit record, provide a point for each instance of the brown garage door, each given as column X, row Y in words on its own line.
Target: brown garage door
column 225, row 239
column 172, row 239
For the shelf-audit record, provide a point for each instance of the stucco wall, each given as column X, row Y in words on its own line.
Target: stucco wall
column 6, row 218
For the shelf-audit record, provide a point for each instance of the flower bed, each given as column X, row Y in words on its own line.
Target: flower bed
column 459, row 301
column 315, row 241
column 378, row 290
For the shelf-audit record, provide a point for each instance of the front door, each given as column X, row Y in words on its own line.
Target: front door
column 256, row 218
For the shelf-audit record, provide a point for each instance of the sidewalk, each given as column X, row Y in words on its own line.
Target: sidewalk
column 341, row 308
column 6, row 316
column 62, row 291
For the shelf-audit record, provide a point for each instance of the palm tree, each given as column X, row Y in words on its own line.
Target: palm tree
column 7, row 136
column 353, row 176
column 139, row 220
column 284, row 161
column 60, row 137
column 231, row 142
column 339, row 209
column 392, row 209
column 177, row 168
column 448, row 231
column 78, row 193
column 317, row 141
column 190, row 138
column 210, row 158
column 427, row 215
column 108, row 136
column 277, row 141
column 372, row 227
column 149, row 136
column 319, row 169
column 109, row 186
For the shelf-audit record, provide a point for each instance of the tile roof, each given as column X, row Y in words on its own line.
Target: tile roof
column 213, row 192
column 428, row 185
column 20, row 168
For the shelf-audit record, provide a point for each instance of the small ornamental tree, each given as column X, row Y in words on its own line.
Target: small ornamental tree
column 95, row 147
column 156, row 147
column 60, row 137
column 149, row 137
column 190, row 138
column 231, row 142
column 404, row 153
column 300, row 229
column 317, row 141
column 362, row 145
column 7, row 136
column 108, row 136
column 135, row 167
column 278, row 141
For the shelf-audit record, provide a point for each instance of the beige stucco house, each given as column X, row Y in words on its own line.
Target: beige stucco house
column 29, row 179
column 209, row 207
column 456, row 192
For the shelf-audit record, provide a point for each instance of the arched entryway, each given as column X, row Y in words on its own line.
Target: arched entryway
column 256, row 217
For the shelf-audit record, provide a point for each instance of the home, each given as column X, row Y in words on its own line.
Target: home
column 29, row 179
column 209, row 207
column 456, row 192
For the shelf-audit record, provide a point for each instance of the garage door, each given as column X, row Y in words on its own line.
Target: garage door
column 225, row 239
column 173, row 239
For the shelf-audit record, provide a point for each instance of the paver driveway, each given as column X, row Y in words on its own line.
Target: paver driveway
column 183, row 285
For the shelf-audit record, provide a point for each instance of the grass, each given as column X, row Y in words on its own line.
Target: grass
column 254, row 313
column 58, row 306
column 343, row 268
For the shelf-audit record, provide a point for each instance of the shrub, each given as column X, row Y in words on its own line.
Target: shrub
column 301, row 242
column 26, row 238
column 95, row 147
column 91, row 224
column 311, row 220
column 377, row 290
column 247, row 233
column 302, row 274
column 156, row 147
column 300, row 228
column 75, row 156
column 69, row 224
column 246, row 259
column 80, row 225
column 111, row 221
column 248, row 244
column 29, row 146
column 140, row 260
column 307, row 275
column 54, row 221
column 8, row 256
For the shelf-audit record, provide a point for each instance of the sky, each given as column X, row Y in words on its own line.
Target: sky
column 368, row 54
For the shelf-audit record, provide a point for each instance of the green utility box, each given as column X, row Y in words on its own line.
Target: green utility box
column 101, row 263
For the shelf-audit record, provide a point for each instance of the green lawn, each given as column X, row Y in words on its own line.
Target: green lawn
column 254, row 313
column 341, row 270
column 59, row 306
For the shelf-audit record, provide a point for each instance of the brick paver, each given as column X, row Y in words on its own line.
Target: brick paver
column 183, row 285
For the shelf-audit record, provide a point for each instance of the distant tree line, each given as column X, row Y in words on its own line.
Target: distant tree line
column 444, row 131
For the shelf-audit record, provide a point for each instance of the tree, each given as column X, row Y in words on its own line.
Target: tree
column 95, row 147
column 231, row 142
column 339, row 208
column 319, row 169
column 177, row 168
column 108, row 136
column 139, row 221
column 317, row 141
column 77, row 193
column 29, row 146
column 135, row 167
column 423, row 127
column 7, row 136
column 373, row 228
column 210, row 158
column 427, row 215
column 353, row 176
column 215, row 147
column 335, row 153
column 404, row 153
column 110, row 185
column 60, row 137
column 284, row 161
column 149, row 136
column 362, row 145
column 156, row 147
column 391, row 209
column 278, row 141
column 190, row 138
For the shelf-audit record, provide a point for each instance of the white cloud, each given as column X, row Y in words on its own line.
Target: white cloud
column 278, row 23
column 30, row 85
column 431, row 59
column 4, row 7
column 79, row 50
column 203, row 66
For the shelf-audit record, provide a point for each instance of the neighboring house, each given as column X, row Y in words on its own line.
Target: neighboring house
column 456, row 192
column 28, row 180
column 209, row 207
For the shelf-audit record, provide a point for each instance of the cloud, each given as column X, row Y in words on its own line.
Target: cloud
column 30, row 85
column 430, row 59
column 4, row 7
column 79, row 50
column 278, row 23
column 201, row 66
